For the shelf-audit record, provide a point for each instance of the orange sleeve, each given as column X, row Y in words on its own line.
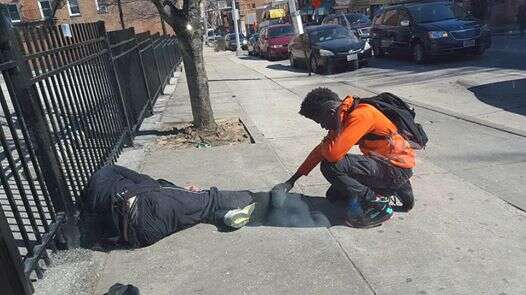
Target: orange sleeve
column 315, row 156
column 312, row 160
column 335, row 148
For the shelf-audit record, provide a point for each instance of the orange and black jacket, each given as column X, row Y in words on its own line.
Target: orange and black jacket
column 353, row 125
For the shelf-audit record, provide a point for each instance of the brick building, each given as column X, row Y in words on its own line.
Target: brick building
column 141, row 15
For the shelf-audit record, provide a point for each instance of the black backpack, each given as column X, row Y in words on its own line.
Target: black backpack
column 401, row 114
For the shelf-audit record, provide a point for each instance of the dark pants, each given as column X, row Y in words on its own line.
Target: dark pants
column 361, row 177
column 160, row 209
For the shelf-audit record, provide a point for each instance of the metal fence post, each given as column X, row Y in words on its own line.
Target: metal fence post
column 115, row 82
column 12, row 278
column 41, row 139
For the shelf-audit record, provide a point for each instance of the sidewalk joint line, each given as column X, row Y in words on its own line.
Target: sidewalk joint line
column 352, row 262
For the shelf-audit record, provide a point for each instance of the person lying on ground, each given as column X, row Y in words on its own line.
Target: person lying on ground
column 136, row 210
column 123, row 208
column 364, row 181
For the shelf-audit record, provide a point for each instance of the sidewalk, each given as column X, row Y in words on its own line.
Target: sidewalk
column 441, row 247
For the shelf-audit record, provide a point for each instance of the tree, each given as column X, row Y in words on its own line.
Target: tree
column 185, row 18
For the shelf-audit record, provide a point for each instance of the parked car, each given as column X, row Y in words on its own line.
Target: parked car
column 230, row 40
column 357, row 22
column 274, row 40
column 326, row 47
column 212, row 37
column 426, row 30
column 253, row 41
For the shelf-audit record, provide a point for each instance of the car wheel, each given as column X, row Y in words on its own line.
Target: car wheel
column 356, row 64
column 292, row 60
column 419, row 54
column 377, row 51
column 315, row 64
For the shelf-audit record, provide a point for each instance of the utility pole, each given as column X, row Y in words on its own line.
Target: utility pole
column 235, row 16
column 295, row 17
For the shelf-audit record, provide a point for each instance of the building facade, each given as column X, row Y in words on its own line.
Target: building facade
column 141, row 15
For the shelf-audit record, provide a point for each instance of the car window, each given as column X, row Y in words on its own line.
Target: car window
column 329, row 20
column 432, row 12
column 280, row 31
column 391, row 18
column 331, row 33
column 358, row 18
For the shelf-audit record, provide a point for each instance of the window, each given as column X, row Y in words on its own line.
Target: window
column 253, row 5
column 102, row 6
column 74, row 8
column 432, row 12
column 391, row 18
column 281, row 31
column 358, row 18
column 12, row 9
column 45, row 8
column 332, row 20
column 332, row 33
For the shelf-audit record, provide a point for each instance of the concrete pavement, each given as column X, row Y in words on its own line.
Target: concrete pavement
column 461, row 238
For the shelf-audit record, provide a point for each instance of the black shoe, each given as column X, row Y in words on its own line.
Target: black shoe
column 405, row 195
column 372, row 217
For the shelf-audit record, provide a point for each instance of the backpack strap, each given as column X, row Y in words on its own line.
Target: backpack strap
column 370, row 136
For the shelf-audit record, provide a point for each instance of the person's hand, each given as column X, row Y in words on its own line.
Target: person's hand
column 283, row 187
column 193, row 188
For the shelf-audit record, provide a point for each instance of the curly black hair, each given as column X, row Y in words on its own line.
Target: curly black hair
column 315, row 100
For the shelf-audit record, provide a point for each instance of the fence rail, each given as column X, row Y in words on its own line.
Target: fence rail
column 71, row 98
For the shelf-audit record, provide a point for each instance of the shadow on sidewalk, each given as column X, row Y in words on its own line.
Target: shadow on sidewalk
column 281, row 67
column 507, row 95
column 297, row 210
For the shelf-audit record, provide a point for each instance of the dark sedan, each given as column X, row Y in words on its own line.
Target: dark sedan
column 326, row 47
column 428, row 29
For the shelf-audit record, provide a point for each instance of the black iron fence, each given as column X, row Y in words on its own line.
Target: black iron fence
column 71, row 98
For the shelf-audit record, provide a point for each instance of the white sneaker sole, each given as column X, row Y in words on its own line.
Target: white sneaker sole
column 238, row 218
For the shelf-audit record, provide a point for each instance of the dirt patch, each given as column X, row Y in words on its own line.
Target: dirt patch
column 229, row 132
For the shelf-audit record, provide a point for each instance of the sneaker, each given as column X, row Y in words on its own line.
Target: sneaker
column 405, row 195
column 379, row 203
column 372, row 217
column 237, row 218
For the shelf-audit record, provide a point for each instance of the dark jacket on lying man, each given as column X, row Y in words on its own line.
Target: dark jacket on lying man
column 142, row 210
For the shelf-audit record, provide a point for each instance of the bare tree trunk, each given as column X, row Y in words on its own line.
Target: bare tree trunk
column 189, row 31
column 197, row 80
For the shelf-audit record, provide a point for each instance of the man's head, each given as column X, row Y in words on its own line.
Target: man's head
column 321, row 106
